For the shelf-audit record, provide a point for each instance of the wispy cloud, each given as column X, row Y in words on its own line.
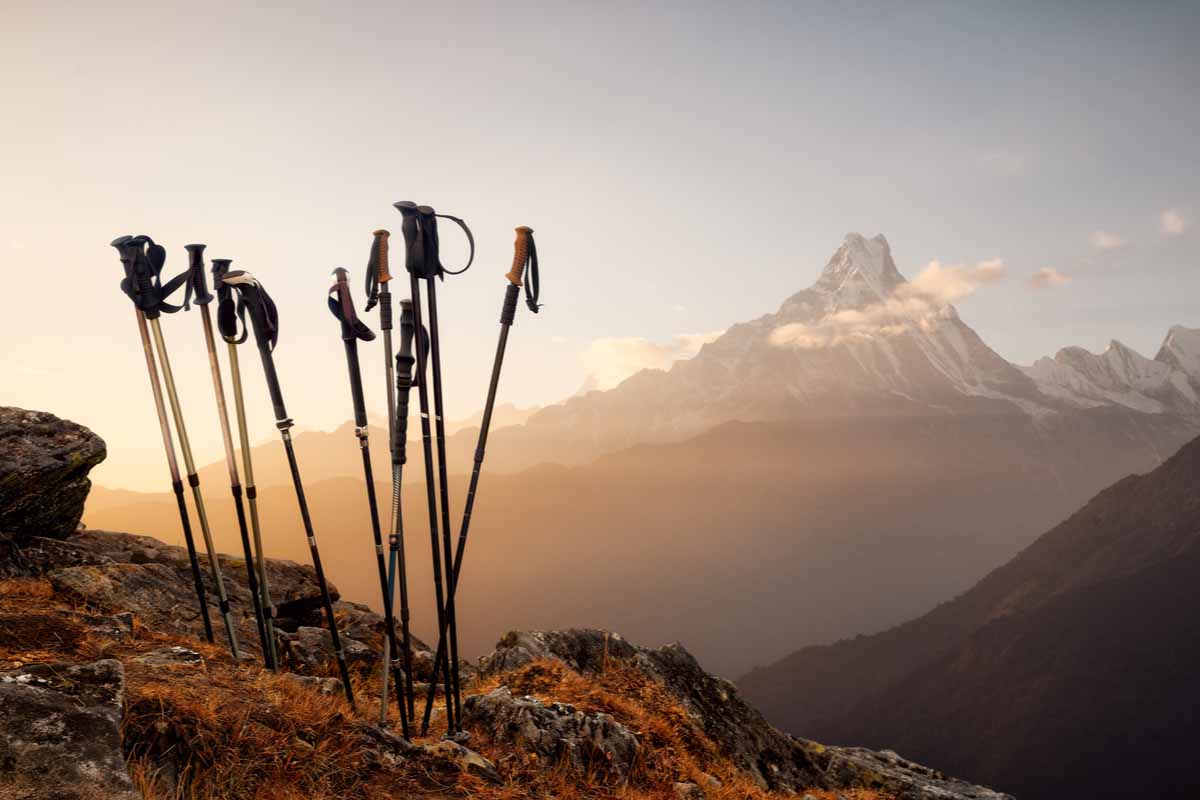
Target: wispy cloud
column 1172, row 222
column 1103, row 240
column 609, row 360
column 1048, row 278
column 920, row 304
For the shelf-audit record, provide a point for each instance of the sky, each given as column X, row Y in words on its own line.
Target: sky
column 685, row 166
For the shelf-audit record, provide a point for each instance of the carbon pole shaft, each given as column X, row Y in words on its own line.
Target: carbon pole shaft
column 485, row 424
column 164, row 425
column 452, row 676
column 427, row 448
column 194, row 482
column 239, row 405
column 235, row 484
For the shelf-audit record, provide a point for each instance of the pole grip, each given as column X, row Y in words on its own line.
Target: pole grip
column 378, row 262
column 520, row 255
column 197, row 283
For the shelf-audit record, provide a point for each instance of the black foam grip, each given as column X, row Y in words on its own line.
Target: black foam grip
column 193, row 480
column 251, row 492
column 509, row 312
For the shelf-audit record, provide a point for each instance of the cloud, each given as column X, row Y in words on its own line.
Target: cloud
column 609, row 360
column 1048, row 278
column 1103, row 240
column 1172, row 222
column 922, row 304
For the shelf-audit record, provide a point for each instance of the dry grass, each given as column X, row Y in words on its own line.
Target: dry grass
column 223, row 730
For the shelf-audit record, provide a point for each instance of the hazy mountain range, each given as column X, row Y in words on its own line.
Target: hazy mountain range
column 1067, row 672
column 836, row 467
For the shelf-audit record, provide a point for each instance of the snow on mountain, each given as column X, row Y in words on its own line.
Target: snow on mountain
column 1120, row 376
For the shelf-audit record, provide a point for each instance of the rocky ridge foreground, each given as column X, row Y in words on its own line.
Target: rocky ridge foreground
column 106, row 691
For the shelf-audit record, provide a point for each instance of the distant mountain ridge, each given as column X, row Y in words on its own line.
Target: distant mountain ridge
column 1077, row 658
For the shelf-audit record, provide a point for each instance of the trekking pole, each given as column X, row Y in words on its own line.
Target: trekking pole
column 353, row 329
column 379, row 278
column 396, row 561
column 227, row 326
column 148, row 259
column 164, row 424
column 428, row 266
column 524, row 255
column 197, row 291
column 264, row 319
column 417, row 266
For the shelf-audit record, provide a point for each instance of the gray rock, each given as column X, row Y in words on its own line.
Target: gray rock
column 44, row 466
column 172, row 656
column 688, row 791
column 31, row 556
column 315, row 682
column 388, row 749
column 557, row 733
column 903, row 778
column 312, row 648
column 60, row 733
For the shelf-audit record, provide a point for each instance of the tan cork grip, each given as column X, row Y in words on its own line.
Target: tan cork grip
column 520, row 255
column 381, row 249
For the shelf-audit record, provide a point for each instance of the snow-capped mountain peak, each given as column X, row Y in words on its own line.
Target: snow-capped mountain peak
column 862, row 270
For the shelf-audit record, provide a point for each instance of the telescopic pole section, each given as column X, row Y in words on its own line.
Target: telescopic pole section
column 164, row 425
column 239, row 405
column 194, row 481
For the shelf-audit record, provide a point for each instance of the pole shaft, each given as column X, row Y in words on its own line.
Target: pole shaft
column 360, row 417
column 194, row 481
column 452, row 676
column 431, row 500
column 164, row 425
column 469, row 507
column 239, row 405
column 235, row 485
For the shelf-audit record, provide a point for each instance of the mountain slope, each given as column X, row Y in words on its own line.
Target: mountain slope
column 1077, row 658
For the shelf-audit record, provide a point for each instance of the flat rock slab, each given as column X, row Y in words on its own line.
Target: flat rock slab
column 60, row 733
column 44, row 465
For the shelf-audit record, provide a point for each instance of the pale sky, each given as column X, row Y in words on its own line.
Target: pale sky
column 685, row 166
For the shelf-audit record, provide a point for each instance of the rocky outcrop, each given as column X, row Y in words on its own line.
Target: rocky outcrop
column 776, row 760
column 557, row 733
column 44, row 465
column 60, row 733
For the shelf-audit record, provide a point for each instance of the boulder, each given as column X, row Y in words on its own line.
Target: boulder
column 60, row 733
column 312, row 649
column 556, row 733
column 44, row 466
